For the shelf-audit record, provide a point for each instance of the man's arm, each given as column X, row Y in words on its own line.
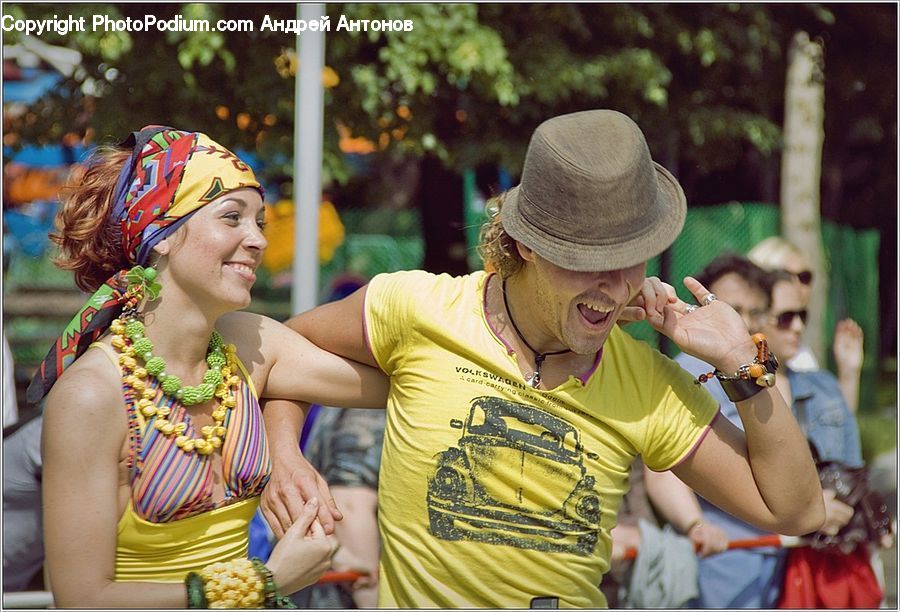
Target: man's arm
column 766, row 477
column 338, row 328
column 294, row 480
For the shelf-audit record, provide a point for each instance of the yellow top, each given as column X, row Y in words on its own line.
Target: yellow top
column 166, row 552
column 165, row 549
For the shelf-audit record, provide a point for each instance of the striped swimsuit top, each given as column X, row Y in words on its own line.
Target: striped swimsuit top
column 168, row 484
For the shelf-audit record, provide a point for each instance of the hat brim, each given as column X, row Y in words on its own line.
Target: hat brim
column 611, row 252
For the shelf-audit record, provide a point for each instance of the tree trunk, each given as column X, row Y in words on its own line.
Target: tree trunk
column 801, row 170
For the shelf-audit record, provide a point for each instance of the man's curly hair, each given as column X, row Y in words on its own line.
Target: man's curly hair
column 496, row 247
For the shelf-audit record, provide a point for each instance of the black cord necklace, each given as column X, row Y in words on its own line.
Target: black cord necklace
column 535, row 379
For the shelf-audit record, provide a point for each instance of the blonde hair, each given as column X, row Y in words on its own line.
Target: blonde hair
column 496, row 247
column 773, row 253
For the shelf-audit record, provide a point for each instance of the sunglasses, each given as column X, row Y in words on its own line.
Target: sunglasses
column 805, row 277
column 785, row 319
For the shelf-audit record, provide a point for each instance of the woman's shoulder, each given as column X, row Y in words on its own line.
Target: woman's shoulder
column 87, row 396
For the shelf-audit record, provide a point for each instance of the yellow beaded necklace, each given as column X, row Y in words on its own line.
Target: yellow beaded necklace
column 220, row 381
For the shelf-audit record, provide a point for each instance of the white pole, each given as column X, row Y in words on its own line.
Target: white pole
column 308, row 113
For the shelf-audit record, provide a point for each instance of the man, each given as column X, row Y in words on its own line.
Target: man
column 517, row 405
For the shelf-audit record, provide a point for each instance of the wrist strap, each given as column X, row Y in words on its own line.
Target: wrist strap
column 738, row 389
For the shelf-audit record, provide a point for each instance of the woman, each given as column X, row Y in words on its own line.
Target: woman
column 152, row 476
column 822, row 412
column 776, row 253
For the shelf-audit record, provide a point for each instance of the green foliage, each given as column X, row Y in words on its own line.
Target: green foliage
column 469, row 82
column 877, row 434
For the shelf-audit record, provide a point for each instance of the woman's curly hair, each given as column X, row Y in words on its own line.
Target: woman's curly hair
column 496, row 247
column 89, row 241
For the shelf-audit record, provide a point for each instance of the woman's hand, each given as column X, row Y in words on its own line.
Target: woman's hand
column 708, row 539
column 304, row 553
column 624, row 538
column 837, row 513
column 848, row 347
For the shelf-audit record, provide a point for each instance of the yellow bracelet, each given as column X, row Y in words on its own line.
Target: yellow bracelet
column 694, row 524
column 232, row 584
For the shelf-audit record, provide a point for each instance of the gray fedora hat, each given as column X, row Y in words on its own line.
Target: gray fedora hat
column 591, row 199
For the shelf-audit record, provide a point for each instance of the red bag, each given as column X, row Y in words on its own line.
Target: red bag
column 824, row 579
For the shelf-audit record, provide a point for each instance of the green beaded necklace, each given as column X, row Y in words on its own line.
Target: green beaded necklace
column 156, row 366
column 219, row 380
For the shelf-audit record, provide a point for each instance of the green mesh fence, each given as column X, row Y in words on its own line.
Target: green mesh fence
column 377, row 240
column 851, row 262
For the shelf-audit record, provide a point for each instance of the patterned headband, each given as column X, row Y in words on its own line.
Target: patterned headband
column 169, row 175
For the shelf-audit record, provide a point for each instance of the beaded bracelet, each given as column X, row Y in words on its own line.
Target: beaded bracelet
column 273, row 598
column 196, row 599
column 750, row 378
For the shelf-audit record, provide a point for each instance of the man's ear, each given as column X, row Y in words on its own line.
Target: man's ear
column 526, row 253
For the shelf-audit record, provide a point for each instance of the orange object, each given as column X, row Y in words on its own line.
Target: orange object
column 773, row 539
column 333, row 577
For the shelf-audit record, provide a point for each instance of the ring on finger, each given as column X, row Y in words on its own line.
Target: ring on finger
column 711, row 297
column 689, row 309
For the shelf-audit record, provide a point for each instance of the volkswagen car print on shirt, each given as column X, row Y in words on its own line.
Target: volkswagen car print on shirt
column 516, row 478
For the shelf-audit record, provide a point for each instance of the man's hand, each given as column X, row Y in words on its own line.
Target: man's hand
column 713, row 331
column 652, row 297
column 293, row 482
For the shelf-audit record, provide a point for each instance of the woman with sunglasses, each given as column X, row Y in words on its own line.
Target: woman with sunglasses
column 826, row 420
column 777, row 254
column 816, row 399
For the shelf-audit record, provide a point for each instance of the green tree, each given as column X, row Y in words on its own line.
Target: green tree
column 469, row 83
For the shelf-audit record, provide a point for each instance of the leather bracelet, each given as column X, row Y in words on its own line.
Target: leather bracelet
column 738, row 389
column 741, row 386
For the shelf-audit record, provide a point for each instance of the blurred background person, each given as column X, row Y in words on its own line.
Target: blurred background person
column 777, row 253
column 23, row 537
column 749, row 578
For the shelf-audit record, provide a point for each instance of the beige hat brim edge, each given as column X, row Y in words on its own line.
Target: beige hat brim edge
column 603, row 257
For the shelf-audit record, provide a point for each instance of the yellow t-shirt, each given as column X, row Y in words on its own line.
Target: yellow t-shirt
column 493, row 493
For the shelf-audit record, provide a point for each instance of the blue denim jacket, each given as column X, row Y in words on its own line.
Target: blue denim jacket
column 824, row 417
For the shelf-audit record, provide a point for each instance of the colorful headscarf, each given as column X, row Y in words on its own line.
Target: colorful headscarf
column 169, row 175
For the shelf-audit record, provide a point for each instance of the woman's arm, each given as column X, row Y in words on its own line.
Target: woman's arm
column 848, row 355
column 678, row 505
column 85, row 429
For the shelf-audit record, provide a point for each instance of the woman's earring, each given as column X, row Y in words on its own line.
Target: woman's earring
column 142, row 283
